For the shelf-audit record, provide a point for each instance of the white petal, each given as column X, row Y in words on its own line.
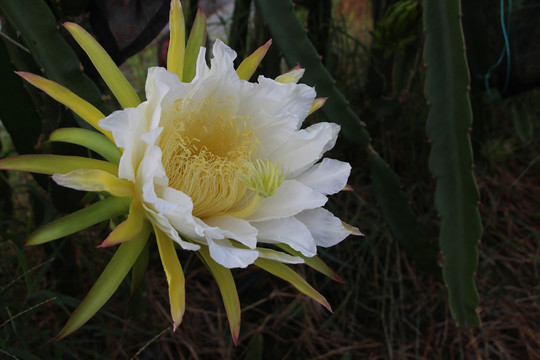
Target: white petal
column 127, row 126
column 236, row 229
column 279, row 256
column 224, row 253
column 290, row 198
column 326, row 229
column 288, row 231
column 327, row 177
column 275, row 98
column 224, row 56
column 164, row 225
column 305, row 147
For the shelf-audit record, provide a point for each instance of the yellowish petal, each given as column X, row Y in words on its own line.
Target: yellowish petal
column 247, row 68
column 177, row 44
column 291, row 76
column 174, row 274
column 128, row 229
column 115, row 80
column 96, row 180
column 55, row 164
column 227, row 287
column 64, row 96
column 317, row 104
column 286, row 273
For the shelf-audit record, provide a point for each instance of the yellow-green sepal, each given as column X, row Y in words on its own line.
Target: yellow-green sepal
column 89, row 139
column 313, row 262
column 107, row 283
column 227, row 287
column 247, row 67
column 79, row 220
column 127, row 229
column 81, row 107
column 197, row 38
column 286, row 273
column 55, row 164
column 174, row 274
column 111, row 74
column 317, row 104
column 177, row 43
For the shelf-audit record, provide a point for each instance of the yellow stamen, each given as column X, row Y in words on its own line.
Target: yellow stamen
column 204, row 147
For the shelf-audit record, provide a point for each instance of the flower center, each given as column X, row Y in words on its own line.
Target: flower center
column 205, row 147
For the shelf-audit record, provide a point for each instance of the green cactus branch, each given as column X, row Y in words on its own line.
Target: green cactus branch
column 451, row 158
column 289, row 34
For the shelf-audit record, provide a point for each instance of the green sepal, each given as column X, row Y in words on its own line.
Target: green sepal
column 197, row 38
column 286, row 273
column 89, row 139
column 107, row 283
column 79, row 220
column 138, row 271
column 227, row 287
column 55, row 164
column 313, row 262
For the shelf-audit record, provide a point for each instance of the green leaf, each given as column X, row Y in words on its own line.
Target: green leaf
column 107, row 283
column 227, row 288
column 286, row 273
column 451, row 158
column 89, row 139
column 79, row 220
column 55, row 164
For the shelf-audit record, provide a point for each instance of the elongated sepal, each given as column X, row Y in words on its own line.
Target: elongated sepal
column 107, row 283
column 64, row 96
column 292, row 76
column 353, row 229
column 177, row 44
column 111, row 74
column 317, row 104
column 138, row 271
column 197, row 38
column 89, row 139
column 247, row 68
column 55, row 164
column 227, row 287
column 174, row 274
column 313, row 262
column 127, row 229
column 70, row 224
column 286, row 273
column 95, row 180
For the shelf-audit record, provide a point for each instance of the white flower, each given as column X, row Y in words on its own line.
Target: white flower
column 191, row 149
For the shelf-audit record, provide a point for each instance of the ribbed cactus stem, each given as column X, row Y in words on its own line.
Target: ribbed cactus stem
column 451, row 158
